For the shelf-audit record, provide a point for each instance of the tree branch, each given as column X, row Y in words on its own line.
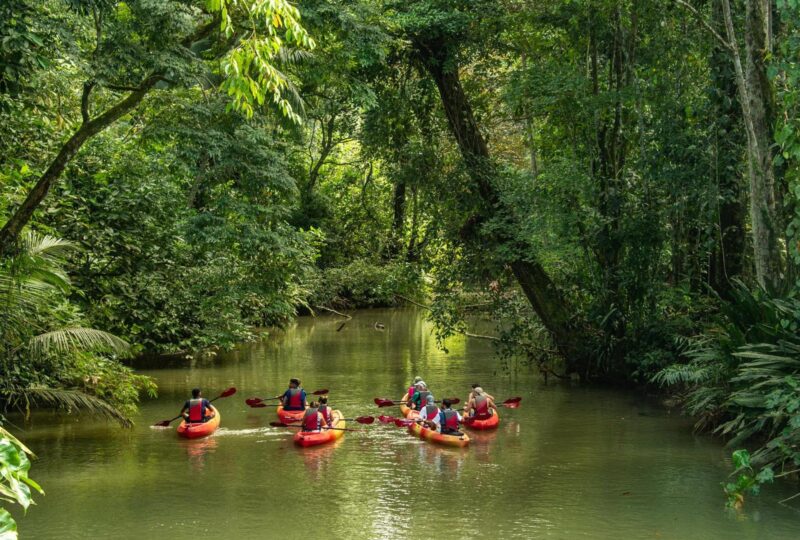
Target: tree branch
column 334, row 311
column 699, row 16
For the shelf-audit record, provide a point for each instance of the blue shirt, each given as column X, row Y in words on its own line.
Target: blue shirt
column 204, row 406
column 286, row 400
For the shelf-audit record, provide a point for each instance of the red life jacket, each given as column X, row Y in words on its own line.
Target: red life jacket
column 481, row 405
column 295, row 400
column 311, row 420
column 326, row 413
column 410, row 392
column 429, row 412
column 196, row 410
column 450, row 420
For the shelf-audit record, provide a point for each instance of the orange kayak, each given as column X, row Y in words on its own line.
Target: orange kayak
column 434, row 436
column 197, row 430
column 290, row 417
column 315, row 438
column 405, row 409
column 488, row 423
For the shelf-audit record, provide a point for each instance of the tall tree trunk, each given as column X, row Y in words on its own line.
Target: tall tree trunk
column 756, row 103
column 536, row 284
column 727, row 258
column 398, row 220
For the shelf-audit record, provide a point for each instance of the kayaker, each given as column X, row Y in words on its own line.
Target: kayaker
column 480, row 404
column 412, row 389
column 429, row 414
column 325, row 411
column 294, row 399
column 420, row 397
column 472, row 394
column 196, row 410
column 313, row 419
column 449, row 420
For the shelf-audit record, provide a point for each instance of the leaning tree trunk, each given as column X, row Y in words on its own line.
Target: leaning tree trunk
column 88, row 129
column 536, row 284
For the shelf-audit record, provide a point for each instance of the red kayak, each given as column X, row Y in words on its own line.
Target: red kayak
column 315, row 438
column 196, row 430
column 483, row 421
column 290, row 417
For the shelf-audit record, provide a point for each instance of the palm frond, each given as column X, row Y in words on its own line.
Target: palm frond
column 45, row 246
column 67, row 400
column 67, row 340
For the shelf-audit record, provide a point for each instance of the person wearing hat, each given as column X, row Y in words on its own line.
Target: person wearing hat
column 411, row 390
column 480, row 403
column 294, row 399
column 429, row 414
column 472, row 393
column 420, row 397
column 449, row 420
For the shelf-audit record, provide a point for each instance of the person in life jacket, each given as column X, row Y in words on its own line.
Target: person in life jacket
column 325, row 410
column 197, row 409
column 411, row 390
column 313, row 420
column 472, row 394
column 449, row 420
column 429, row 414
column 480, row 403
column 294, row 399
column 420, row 397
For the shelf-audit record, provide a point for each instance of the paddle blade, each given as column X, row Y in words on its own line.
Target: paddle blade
column 253, row 401
column 365, row 419
column 163, row 423
column 384, row 419
column 454, row 401
column 512, row 400
column 229, row 392
column 320, row 392
column 386, row 404
column 257, row 405
column 278, row 424
column 512, row 405
column 379, row 400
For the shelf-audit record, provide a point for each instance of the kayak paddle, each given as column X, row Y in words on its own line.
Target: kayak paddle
column 361, row 420
column 382, row 402
column 512, row 403
column 227, row 393
column 256, row 400
column 281, row 424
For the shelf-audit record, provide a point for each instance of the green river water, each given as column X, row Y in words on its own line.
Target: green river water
column 570, row 463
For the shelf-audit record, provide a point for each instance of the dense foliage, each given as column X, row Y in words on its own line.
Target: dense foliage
column 15, row 485
column 611, row 182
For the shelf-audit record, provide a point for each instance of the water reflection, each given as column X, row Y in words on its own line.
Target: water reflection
column 570, row 463
column 197, row 450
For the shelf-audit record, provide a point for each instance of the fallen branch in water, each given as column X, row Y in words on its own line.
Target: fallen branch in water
column 334, row 311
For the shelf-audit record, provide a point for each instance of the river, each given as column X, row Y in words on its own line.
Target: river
column 571, row 462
